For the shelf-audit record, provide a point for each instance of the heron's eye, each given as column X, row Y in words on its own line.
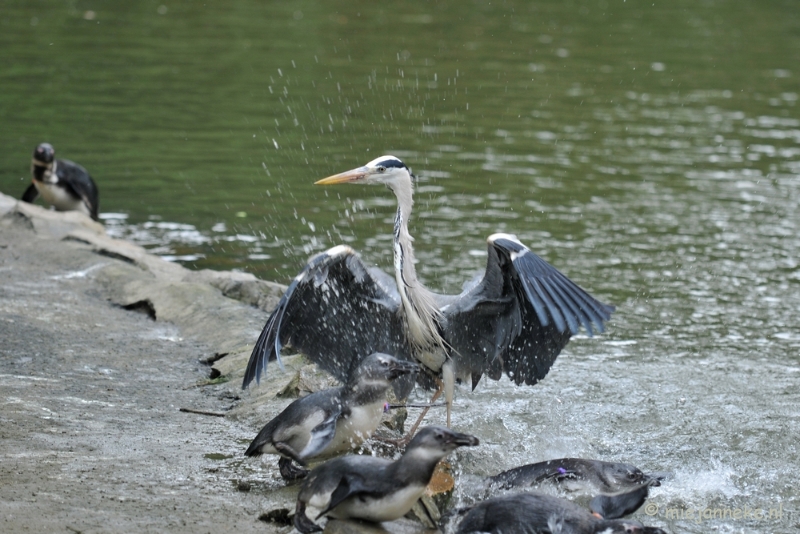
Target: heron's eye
column 381, row 169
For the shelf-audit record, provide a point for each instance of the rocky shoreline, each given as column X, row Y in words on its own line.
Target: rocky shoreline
column 113, row 367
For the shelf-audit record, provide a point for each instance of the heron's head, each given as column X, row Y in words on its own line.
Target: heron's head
column 383, row 367
column 386, row 170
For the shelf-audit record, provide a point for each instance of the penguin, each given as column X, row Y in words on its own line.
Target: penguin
column 535, row 513
column 375, row 489
column 332, row 421
column 63, row 184
column 576, row 474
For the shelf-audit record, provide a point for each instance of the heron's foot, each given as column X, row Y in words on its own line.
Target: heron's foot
column 290, row 471
column 301, row 520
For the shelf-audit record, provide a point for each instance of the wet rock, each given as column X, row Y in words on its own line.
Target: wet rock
column 440, row 488
column 279, row 516
column 244, row 287
column 309, row 379
column 395, row 418
column 198, row 309
column 7, row 204
column 437, row 497
column 96, row 389
column 49, row 223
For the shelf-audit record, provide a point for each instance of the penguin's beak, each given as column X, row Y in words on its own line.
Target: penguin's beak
column 402, row 367
column 462, row 440
column 354, row 175
column 654, row 479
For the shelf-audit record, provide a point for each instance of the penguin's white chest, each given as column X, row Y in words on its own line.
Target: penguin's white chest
column 387, row 508
column 60, row 198
column 355, row 429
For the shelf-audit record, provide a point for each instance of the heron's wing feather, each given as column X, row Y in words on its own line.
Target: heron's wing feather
column 30, row 194
column 519, row 317
column 336, row 313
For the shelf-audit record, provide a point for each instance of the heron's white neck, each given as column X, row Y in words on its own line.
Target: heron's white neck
column 419, row 306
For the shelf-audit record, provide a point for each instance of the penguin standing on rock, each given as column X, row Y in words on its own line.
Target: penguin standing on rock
column 63, row 184
column 332, row 421
column 375, row 489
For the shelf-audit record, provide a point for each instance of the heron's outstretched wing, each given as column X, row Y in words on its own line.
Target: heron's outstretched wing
column 519, row 317
column 337, row 312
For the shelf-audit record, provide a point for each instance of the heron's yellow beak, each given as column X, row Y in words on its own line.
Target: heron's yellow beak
column 346, row 177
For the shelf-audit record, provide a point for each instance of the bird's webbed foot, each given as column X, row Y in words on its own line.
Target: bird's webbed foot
column 301, row 520
column 290, row 471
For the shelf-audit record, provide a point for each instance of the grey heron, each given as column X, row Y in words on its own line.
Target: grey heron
column 515, row 320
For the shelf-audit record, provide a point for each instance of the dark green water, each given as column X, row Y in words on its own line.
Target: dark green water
column 649, row 150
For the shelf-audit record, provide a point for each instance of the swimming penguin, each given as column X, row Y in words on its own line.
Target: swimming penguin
column 332, row 421
column 375, row 489
column 576, row 474
column 63, row 184
column 534, row 513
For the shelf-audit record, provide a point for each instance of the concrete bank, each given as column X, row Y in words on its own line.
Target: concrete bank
column 102, row 346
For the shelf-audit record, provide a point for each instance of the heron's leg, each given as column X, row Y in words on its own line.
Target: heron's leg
column 448, row 384
column 414, row 427
column 402, row 442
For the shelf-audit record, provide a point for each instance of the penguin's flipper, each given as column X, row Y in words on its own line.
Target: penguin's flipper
column 80, row 184
column 30, row 194
column 563, row 474
column 350, row 484
column 87, row 195
column 619, row 505
column 532, row 475
column 321, row 436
